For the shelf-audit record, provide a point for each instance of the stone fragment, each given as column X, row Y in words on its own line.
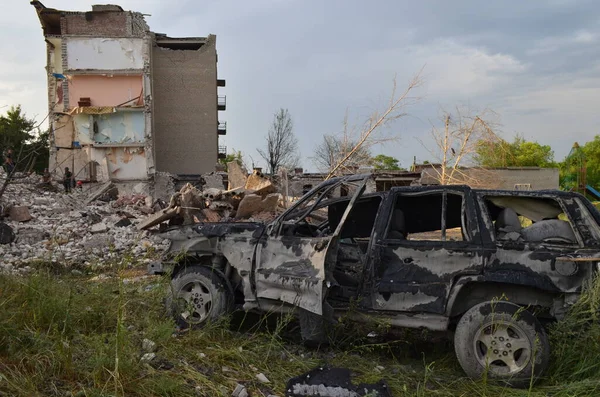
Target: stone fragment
column 262, row 378
column 99, row 228
column 7, row 235
column 148, row 345
column 253, row 204
column 19, row 214
column 236, row 175
column 147, row 357
column 240, row 391
column 259, row 184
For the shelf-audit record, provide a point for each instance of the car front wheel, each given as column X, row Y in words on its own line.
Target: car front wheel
column 502, row 341
column 198, row 295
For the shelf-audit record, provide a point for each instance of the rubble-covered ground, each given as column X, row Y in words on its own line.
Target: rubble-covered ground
column 53, row 226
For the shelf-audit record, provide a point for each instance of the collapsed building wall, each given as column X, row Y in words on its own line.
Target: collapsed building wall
column 101, row 99
column 185, row 115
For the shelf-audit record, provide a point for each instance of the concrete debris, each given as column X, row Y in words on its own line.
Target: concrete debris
column 191, row 205
column 147, row 357
column 64, row 228
column 240, row 391
column 19, row 214
column 236, row 175
column 213, row 180
column 262, row 378
column 253, row 204
column 98, row 228
column 148, row 345
column 259, row 184
column 107, row 188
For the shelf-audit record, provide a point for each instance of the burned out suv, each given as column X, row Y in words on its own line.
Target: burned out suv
column 491, row 265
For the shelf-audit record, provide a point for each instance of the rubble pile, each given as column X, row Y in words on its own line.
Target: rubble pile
column 81, row 227
column 94, row 225
column 250, row 198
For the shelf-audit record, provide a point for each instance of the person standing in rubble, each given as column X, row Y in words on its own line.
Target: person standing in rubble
column 68, row 180
column 9, row 162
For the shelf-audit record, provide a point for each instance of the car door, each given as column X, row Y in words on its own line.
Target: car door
column 291, row 258
column 431, row 238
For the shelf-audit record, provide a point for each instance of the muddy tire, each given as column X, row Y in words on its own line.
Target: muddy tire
column 197, row 297
column 502, row 341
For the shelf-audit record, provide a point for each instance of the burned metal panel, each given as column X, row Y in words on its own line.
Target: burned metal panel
column 292, row 269
column 419, row 279
column 538, row 266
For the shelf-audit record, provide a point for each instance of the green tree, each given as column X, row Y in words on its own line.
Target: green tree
column 383, row 162
column 519, row 153
column 19, row 133
column 15, row 129
column 235, row 156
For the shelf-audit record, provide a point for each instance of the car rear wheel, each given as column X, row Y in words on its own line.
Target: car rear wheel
column 198, row 296
column 502, row 341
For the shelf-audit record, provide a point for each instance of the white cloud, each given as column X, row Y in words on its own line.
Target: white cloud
column 457, row 70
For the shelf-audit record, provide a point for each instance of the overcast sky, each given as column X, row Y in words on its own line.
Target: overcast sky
column 536, row 63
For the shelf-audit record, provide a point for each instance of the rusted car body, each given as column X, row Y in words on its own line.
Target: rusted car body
column 416, row 256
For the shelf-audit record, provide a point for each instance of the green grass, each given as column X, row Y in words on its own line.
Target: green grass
column 64, row 335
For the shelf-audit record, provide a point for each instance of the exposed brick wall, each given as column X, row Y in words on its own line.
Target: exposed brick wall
column 184, row 85
column 108, row 24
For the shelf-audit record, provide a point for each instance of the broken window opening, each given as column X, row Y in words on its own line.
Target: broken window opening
column 529, row 220
column 434, row 216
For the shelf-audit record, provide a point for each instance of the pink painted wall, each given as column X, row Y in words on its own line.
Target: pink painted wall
column 104, row 90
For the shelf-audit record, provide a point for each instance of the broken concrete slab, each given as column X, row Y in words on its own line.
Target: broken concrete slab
column 259, row 184
column 7, row 235
column 98, row 228
column 97, row 241
column 213, row 180
column 160, row 217
column 107, row 188
column 19, row 214
column 253, row 204
column 236, row 175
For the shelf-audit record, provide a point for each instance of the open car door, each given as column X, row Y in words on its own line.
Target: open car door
column 292, row 256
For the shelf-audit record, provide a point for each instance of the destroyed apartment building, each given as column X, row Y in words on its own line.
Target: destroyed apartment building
column 127, row 104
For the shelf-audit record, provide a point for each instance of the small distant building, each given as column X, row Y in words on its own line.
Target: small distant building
column 124, row 102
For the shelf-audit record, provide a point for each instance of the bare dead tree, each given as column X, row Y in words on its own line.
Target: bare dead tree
column 368, row 135
column 282, row 145
column 456, row 145
column 334, row 148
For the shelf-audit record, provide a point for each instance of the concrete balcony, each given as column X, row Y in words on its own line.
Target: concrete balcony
column 221, row 102
column 222, row 152
column 222, row 128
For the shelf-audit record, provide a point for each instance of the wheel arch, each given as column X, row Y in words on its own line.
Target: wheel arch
column 470, row 292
